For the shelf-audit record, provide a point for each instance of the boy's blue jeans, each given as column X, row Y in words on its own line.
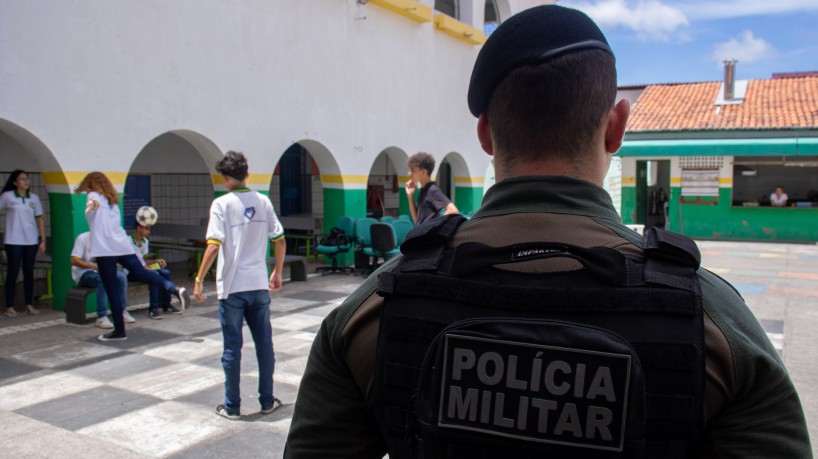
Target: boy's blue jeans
column 92, row 279
column 253, row 307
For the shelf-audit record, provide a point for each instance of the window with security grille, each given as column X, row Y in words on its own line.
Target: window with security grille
column 448, row 7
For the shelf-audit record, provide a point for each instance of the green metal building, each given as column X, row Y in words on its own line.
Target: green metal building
column 702, row 159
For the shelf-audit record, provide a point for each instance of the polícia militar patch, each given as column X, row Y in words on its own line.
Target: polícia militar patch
column 532, row 392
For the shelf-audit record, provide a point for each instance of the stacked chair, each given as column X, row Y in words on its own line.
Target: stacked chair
column 335, row 243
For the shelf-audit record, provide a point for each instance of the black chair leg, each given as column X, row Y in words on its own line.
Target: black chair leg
column 334, row 268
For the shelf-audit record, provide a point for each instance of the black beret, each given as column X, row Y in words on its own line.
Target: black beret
column 530, row 37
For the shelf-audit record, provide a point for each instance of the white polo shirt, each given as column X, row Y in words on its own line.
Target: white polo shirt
column 108, row 238
column 141, row 250
column 21, row 217
column 81, row 250
column 241, row 222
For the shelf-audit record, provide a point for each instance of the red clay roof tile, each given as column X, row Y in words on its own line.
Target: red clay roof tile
column 781, row 103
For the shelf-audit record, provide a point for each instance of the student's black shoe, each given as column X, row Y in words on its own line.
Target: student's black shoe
column 171, row 309
column 269, row 409
column 154, row 314
column 221, row 410
column 113, row 336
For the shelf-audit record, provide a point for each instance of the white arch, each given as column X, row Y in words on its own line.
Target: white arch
column 459, row 166
column 177, row 151
column 42, row 156
column 321, row 155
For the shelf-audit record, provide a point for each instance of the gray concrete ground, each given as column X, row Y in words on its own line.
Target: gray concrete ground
column 63, row 394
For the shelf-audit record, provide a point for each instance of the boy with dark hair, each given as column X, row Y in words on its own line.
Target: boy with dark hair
column 432, row 199
column 241, row 222
column 157, row 296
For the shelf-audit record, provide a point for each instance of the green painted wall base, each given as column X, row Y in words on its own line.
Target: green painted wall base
column 721, row 220
column 67, row 222
column 343, row 203
column 468, row 198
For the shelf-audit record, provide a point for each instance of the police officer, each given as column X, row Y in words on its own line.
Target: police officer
column 543, row 327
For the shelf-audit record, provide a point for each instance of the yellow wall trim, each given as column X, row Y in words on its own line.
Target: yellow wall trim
column 629, row 180
column 722, row 181
column 459, row 30
column 469, row 180
column 75, row 177
column 345, row 179
column 411, row 9
column 253, row 179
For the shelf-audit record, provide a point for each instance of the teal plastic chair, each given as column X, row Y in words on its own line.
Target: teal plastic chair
column 342, row 245
column 402, row 228
column 363, row 237
column 405, row 217
column 387, row 219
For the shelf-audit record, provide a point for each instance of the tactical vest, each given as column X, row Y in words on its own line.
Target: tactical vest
column 474, row 361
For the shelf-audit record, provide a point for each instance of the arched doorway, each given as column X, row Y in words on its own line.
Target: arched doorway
column 307, row 192
column 21, row 149
column 384, row 185
column 454, row 179
column 172, row 173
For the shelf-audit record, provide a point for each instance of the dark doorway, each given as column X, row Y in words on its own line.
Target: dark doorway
column 295, row 181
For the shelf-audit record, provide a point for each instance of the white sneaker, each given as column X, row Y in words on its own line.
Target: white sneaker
column 104, row 322
column 128, row 317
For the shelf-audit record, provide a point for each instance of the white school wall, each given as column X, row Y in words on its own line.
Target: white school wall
column 97, row 80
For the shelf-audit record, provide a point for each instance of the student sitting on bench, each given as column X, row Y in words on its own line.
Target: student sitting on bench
column 84, row 272
column 158, row 297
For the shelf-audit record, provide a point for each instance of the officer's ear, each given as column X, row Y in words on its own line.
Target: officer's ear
column 615, row 126
column 484, row 134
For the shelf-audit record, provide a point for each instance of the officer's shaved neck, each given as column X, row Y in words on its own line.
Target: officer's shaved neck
column 592, row 167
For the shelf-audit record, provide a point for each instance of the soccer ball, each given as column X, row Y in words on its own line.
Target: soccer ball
column 146, row 216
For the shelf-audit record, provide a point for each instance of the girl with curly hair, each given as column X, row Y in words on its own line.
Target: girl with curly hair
column 110, row 244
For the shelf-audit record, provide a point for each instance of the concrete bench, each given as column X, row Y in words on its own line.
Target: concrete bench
column 297, row 265
column 75, row 301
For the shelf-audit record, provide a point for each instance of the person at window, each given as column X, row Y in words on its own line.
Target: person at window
column 778, row 198
column 24, row 237
column 432, row 200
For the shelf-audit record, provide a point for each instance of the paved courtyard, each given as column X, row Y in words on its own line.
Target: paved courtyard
column 64, row 394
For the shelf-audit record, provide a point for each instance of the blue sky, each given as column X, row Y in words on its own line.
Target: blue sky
column 663, row 41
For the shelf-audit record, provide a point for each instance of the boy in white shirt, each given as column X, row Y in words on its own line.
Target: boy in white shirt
column 240, row 224
column 157, row 296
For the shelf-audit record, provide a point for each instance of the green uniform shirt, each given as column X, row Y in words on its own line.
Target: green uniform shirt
column 751, row 406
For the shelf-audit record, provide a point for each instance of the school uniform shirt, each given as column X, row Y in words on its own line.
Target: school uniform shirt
column 140, row 249
column 108, row 238
column 21, row 215
column 81, row 250
column 240, row 223
column 779, row 202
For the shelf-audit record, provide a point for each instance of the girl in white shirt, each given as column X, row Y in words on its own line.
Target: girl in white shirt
column 24, row 237
column 110, row 244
